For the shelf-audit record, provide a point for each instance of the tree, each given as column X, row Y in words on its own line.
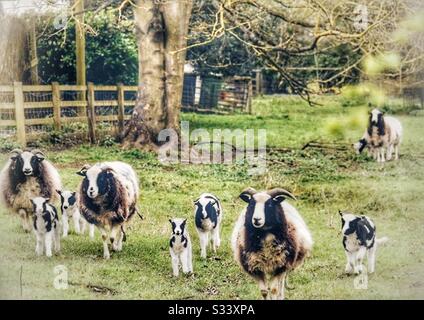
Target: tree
column 161, row 28
column 13, row 45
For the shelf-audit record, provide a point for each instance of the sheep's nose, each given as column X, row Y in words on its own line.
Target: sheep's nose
column 257, row 221
column 27, row 171
column 65, row 207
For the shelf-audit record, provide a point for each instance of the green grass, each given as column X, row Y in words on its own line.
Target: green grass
column 323, row 180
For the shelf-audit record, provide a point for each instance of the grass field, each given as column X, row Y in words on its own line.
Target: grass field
column 324, row 181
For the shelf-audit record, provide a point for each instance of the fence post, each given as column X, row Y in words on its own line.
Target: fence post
column 249, row 96
column 121, row 107
column 259, row 82
column 56, row 105
column 91, row 113
column 19, row 112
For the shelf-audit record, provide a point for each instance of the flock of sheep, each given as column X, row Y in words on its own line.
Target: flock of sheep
column 269, row 239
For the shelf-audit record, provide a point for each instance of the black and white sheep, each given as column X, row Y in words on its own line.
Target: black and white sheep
column 383, row 136
column 270, row 239
column 359, row 239
column 108, row 197
column 46, row 226
column 180, row 247
column 70, row 210
column 26, row 175
column 208, row 218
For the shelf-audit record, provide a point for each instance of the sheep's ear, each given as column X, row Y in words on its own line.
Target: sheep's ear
column 341, row 213
column 59, row 192
column 170, row 221
column 247, row 194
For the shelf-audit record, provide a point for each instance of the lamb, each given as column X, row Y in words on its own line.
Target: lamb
column 270, row 239
column 385, row 135
column 180, row 247
column 46, row 226
column 107, row 198
column 26, row 175
column 208, row 217
column 70, row 209
column 359, row 238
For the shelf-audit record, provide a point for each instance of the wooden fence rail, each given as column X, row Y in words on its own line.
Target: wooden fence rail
column 84, row 102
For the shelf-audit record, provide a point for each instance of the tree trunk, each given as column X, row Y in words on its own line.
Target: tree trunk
column 12, row 49
column 162, row 28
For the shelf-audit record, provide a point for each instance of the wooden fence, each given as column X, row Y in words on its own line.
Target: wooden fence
column 23, row 107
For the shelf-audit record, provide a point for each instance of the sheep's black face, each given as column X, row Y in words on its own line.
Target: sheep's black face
column 178, row 226
column 264, row 212
column 27, row 163
column 205, row 208
column 97, row 182
column 67, row 199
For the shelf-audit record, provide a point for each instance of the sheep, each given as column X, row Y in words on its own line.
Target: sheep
column 26, row 175
column 359, row 238
column 107, row 198
column 180, row 247
column 270, row 239
column 365, row 144
column 46, row 226
column 70, row 209
column 208, row 216
column 385, row 135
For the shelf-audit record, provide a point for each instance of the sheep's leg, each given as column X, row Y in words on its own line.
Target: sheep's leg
column 264, row 289
column 175, row 263
column 371, row 258
column 82, row 224
column 350, row 265
column 120, row 239
column 397, row 152
column 389, row 152
column 91, row 230
column 190, row 258
column 204, row 239
column 184, row 261
column 275, row 287
column 359, row 268
column 48, row 243
column 76, row 219
column 57, row 239
column 26, row 225
column 39, row 245
column 65, row 224
column 114, row 237
column 382, row 155
column 216, row 241
column 105, row 238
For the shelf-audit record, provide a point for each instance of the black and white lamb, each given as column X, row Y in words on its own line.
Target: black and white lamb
column 208, row 218
column 70, row 210
column 270, row 239
column 180, row 247
column 26, row 175
column 359, row 239
column 46, row 226
column 108, row 197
